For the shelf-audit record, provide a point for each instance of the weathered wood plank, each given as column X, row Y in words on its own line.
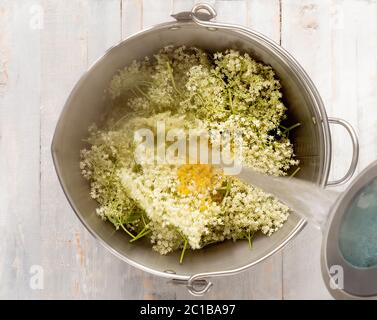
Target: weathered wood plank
column 65, row 57
column 104, row 27
column 132, row 17
column 156, row 11
column 182, row 5
column 76, row 266
column 264, row 16
column 343, row 64
column 355, row 75
column 85, row 269
column 332, row 39
column 19, row 147
column 306, row 34
column 234, row 11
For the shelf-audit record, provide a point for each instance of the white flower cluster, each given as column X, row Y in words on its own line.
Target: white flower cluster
column 237, row 93
column 191, row 205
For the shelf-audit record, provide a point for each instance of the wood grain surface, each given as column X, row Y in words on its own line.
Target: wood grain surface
column 45, row 45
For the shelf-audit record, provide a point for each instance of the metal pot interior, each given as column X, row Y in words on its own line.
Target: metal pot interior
column 87, row 103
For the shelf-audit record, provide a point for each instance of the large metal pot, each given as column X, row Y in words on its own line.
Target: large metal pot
column 86, row 103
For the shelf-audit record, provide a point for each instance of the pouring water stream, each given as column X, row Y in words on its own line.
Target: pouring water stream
column 305, row 198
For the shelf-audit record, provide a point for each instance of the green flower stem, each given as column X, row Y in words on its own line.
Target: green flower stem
column 133, row 92
column 170, row 70
column 250, row 238
column 295, row 172
column 129, row 233
column 286, row 130
column 142, row 92
column 200, row 98
column 143, row 219
column 183, row 251
column 146, row 83
column 228, row 185
column 119, row 121
column 230, row 101
column 141, row 234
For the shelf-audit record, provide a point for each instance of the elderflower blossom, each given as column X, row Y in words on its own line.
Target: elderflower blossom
column 194, row 205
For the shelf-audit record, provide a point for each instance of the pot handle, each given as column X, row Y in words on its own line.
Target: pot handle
column 196, row 285
column 355, row 151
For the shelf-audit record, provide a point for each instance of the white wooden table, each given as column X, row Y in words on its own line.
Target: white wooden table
column 45, row 45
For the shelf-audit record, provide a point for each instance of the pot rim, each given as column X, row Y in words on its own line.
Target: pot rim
column 311, row 90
